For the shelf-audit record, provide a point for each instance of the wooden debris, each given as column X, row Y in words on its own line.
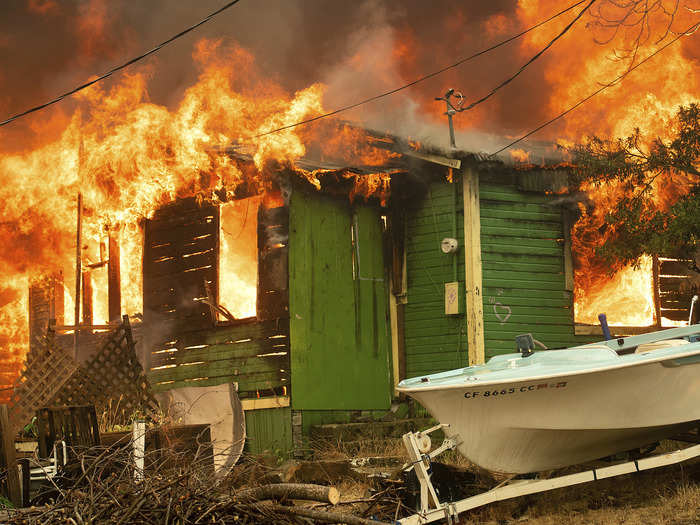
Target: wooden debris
column 291, row 491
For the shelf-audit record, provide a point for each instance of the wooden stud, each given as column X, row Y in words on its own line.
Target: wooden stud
column 87, row 298
column 656, row 284
column 56, row 297
column 78, row 272
column 472, row 259
column 393, row 317
column 400, row 330
column 265, row 403
column 114, row 279
column 24, row 465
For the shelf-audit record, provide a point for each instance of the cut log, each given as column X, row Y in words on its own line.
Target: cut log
column 289, row 491
column 322, row 515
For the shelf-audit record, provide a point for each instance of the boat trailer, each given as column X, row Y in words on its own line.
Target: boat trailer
column 418, row 445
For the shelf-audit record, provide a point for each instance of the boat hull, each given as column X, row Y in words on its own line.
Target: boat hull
column 536, row 425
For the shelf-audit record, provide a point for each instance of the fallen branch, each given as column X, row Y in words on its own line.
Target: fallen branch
column 288, row 491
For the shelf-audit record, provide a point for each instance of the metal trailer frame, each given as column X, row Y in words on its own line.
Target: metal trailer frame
column 431, row 509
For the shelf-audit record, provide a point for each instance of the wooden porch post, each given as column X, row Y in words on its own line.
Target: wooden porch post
column 9, row 458
column 114, row 292
column 472, row 260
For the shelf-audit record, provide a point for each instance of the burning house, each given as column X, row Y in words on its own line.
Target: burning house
column 316, row 286
column 312, row 287
column 311, row 268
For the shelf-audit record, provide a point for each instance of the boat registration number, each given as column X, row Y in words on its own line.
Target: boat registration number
column 513, row 390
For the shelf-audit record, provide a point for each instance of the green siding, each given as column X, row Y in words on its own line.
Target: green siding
column 523, row 270
column 434, row 341
column 269, row 431
column 339, row 327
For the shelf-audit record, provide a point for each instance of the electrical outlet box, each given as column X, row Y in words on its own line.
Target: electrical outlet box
column 454, row 299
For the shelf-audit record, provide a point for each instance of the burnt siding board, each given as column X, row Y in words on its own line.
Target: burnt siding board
column 273, row 261
column 253, row 354
column 181, row 252
column 523, row 270
column 339, row 322
column 434, row 342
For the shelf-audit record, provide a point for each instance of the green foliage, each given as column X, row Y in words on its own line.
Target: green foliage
column 658, row 208
column 30, row 429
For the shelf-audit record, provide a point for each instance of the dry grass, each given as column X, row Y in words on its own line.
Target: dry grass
column 668, row 496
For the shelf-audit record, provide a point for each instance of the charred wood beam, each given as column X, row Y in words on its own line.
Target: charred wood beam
column 87, row 298
column 83, row 327
column 78, row 270
column 656, row 290
column 273, row 274
column 114, row 280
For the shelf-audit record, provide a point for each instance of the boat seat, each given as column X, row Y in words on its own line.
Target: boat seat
column 658, row 345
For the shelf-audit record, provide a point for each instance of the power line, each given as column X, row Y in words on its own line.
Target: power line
column 526, row 64
column 421, row 79
column 691, row 29
column 119, row 68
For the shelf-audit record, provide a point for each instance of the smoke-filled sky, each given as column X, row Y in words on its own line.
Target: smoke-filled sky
column 356, row 48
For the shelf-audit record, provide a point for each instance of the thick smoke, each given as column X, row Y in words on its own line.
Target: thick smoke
column 356, row 48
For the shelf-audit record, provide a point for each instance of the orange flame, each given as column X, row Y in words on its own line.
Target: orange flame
column 128, row 156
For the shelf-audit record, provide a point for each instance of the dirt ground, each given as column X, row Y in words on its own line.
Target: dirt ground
column 668, row 495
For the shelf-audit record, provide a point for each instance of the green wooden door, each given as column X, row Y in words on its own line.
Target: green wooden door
column 339, row 328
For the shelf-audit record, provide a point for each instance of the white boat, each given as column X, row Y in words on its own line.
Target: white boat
column 521, row 413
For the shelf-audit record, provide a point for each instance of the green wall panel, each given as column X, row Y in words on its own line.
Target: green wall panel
column 269, row 431
column 523, row 270
column 339, row 326
column 434, row 342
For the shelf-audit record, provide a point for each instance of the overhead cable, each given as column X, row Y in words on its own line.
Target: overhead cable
column 421, row 79
column 526, row 64
column 120, row 67
column 612, row 83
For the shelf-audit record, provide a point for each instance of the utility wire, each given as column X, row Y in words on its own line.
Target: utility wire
column 119, row 68
column 423, row 78
column 526, row 64
column 614, row 82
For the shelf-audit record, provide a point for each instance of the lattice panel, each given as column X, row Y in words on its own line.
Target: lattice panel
column 112, row 380
column 46, row 370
